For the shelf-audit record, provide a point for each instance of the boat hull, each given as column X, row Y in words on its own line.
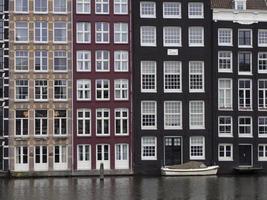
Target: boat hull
column 207, row 171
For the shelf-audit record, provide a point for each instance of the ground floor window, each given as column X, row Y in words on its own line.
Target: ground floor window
column 197, row 148
column 122, row 156
column 225, row 152
column 262, row 126
column 149, row 148
column 60, row 157
column 83, row 157
column 262, row 152
column 102, row 156
column 21, row 158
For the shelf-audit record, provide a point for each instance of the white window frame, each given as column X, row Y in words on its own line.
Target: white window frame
column 19, row 165
column 84, row 3
column 84, row 159
column 40, row 12
column 251, row 63
column 195, row 44
column 102, row 89
column 65, row 38
column 121, row 119
column 193, row 74
column 62, row 86
column 103, row 119
column 172, row 36
column 21, row 54
column 225, row 91
column 121, row 61
column 261, row 62
column 121, row 89
column 241, row 135
column 43, row 60
column 262, row 134
column 102, row 3
column 121, row 156
column 193, row 126
column 202, row 145
column 84, row 32
column 43, row 28
column 121, row 31
column 24, row 28
column 63, row 157
column 251, row 39
column 230, row 134
column 102, row 32
column 264, row 151
column 192, row 14
column 21, row 10
column 42, row 165
column 102, row 61
column 106, row 162
column 225, row 157
column 262, row 42
column 83, row 89
column 152, row 9
column 263, row 90
column 149, row 114
column 222, row 37
column 86, row 120
column 43, row 133
column 62, row 54
column 171, row 114
column 18, row 88
column 245, row 107
column 152, row 37
column 152, row 68
column 61, row 120
column 154, row 144
column 22, row 123
column 174, row 73
column 60, row 12
column 41, row 89
column 123, row 7
column 227, row 60
column 174, row 7
column 83, row 61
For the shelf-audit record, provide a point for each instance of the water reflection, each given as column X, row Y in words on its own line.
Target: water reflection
column 123, row 188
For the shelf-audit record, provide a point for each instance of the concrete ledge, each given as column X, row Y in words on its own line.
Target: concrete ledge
column 14, row 174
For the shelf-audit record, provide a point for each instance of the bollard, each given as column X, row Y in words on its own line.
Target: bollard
column 101, row 172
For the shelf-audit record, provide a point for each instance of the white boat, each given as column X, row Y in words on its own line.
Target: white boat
column 210, row 170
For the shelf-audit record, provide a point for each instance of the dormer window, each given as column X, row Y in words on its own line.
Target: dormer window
column 240, row 4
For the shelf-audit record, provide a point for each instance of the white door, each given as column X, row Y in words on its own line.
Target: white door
column 121, row 156
column 60, row 157
column 83, row 157
column 102, row 156
column 40, row 158
column 22, row 159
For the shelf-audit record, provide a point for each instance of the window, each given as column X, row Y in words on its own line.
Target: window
column 101, row 32
column 22, row 34
column 102, row 62
column 84, row 122
column 195, row 10
column 84, row 157
column 40, row 158
column 60, row 157
column 148, row 114
column 41, row 32
column 60, row 89
column 83, row 90
column 244, row 94
column 262, row 38
column 120, row 33
column 22, row 122
column 60, row 61
column 121, row 7
column 225, row 152
column 149, row 148
column 40, row 6
column 60, row 122
column 102, row 7
column 171, row 10
column 21, row 6
column 83, row 61
column 83, row 6
column 102, row 89
column 225, row 61
column 262, row 126
column 83, row 34
column 21, row 156
column 262, row 152
column 22, row 90
column 196, row 36
column 121, row 89
column 60, row 6
column 262, row 62
column 172, row 36
column 22, row 60
column 147, row 9
column 245, row 126
column 225, row 37
column 244, row 38
column 41, row 61
column 172, row 115
column 196, row 76
column 225, row 94
column 244, row 62
column 102, row 155
column 172, row 76
column 121, row 61
column 240, row 5
column 148, row 36
column 148, row 76
column 225, row 126
column 102, row 121
column 197, row 114
column 121, row 121
column 121, row 156
column 41, row 123
column 197, row 148
column 262, row 94
column 1, row 28
column 60, row 32
column 40, row 90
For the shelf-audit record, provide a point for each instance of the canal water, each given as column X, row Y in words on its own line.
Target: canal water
column 123, row 188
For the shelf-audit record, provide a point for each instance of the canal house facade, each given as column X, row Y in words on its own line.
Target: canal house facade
column 40, row 92
column 4, row 81
column 102, row 97
column 172, row 83
column 239, row 84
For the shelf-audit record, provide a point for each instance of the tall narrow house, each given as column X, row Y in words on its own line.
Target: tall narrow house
column 240, row 83
column 4, row 81
column 102, row 86
column 40, row 93
column 172, row 83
